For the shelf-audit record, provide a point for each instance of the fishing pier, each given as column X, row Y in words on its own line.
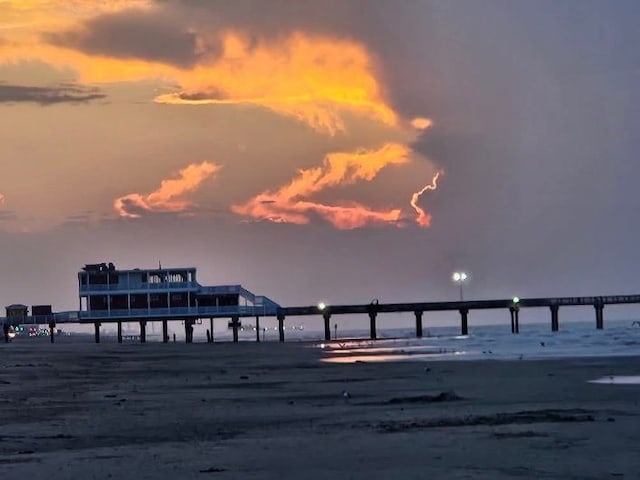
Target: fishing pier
column 111, row 296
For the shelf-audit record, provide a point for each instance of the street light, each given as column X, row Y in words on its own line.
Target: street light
column 459, row 278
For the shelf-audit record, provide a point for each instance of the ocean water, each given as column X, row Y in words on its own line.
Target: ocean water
column 535, row 341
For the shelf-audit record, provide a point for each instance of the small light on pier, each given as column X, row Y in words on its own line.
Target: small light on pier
column 516, row 300
column 322, row 306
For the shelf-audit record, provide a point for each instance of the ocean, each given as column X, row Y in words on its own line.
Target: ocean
column 535, row 341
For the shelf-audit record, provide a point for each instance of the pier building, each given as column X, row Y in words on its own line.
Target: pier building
column 107, row 294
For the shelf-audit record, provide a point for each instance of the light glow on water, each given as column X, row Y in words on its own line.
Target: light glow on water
column 494, row 342
column 618, row 380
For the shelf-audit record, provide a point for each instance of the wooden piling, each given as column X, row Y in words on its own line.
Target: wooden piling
column 257, row 328
column 327, row 325
column 165, row 331
column 281, row 327
column 96, row 327
column 235, row 323
column 464, row 326
column 599, row 306
column 555, row 325
column 418, row 314
column 143, row 331
column 372, row 325
column 52, row 330
column 119, row 332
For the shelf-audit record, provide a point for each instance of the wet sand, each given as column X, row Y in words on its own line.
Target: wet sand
column 265, row 411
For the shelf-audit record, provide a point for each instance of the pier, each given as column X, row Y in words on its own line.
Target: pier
column 109, row 296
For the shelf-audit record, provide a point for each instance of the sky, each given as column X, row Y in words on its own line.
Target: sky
column 334, row 150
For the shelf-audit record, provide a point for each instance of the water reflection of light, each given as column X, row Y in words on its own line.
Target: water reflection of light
column 379, row 350
column 618, row 380
column 383, row 358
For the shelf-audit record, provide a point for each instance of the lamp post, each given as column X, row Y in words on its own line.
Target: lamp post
column 459, row 278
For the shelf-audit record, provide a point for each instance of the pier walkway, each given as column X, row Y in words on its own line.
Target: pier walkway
column 190, row 315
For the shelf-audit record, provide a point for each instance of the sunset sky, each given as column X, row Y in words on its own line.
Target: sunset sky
column 322, row 149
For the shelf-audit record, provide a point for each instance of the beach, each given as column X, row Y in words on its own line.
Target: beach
column 263, row 411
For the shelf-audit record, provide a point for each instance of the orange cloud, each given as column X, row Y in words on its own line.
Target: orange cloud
column 421, row 123
column 167, row 198
column 316, row 79
column 291, row 203
column 424, row 219
column 312, row 78
column 1, row 199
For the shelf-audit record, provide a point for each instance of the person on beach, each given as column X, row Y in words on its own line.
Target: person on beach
column 5, row 329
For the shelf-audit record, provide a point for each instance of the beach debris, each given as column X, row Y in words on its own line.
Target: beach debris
column 213, row 470
column 525, row 434
column 346, row 396
column 542, row 344
column 449, row 396
column 427, row 369
column 523, row 417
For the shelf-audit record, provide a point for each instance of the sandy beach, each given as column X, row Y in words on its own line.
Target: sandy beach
column 265, row 411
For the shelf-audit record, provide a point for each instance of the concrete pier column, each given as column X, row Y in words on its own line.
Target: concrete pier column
column 281, row 327
column 211, row 328
column 257, row 328
column 372, row 325
column 119, row 332
column 96, row 327
column 235, row 323
column 143, row 331
column 52, row 331
column 188, row 331
column 464, row 325
column 327, row 325
column 515, row 321
column 418, row 314
column 599, row 306
column 555, row 326
column 165, row 331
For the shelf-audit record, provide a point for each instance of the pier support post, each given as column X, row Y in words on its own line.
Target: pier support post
column 96, row 327
column 211, row 328
column 463, row 321
column 143, row 331
column 235, row 322
column 599, row 306
column 52, row 330
column 372, row 325
column 165, row 331
column 515, row 321
column 327, row 325
column 258, row 328
column 418, row 314
column 119, row 332
column 555, row 326
column 281, row 327
column 188, row 330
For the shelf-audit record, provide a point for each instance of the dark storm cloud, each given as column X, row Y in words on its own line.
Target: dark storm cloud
column 48, row 95
column 153, row 36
